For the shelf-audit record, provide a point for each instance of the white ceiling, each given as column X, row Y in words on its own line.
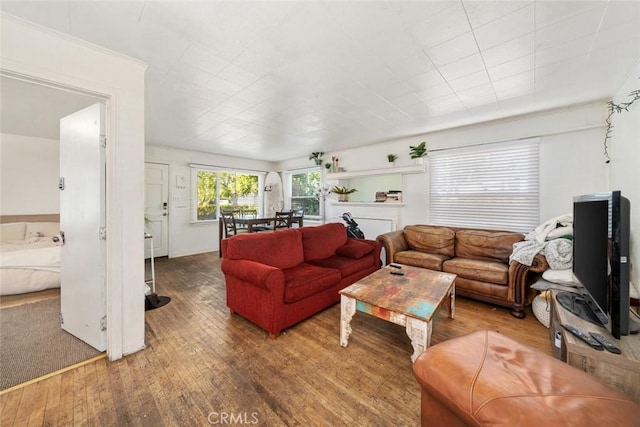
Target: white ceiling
column 35, row 110
column 278, row 80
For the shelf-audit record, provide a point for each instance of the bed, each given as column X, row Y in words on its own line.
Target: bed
column 29, row 258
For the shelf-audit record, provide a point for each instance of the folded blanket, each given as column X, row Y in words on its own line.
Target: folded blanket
column 547, row 230
column 559, row 254
column 525, row 251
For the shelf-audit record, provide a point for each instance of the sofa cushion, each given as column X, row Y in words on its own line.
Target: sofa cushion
column 354, row 249
column 485, row 271
column 420, row 259
column 346, row 266
column 484, row 244
column 426, row 238
column 12, row 231
column 322, row 241
column 281, row 250
column 305, row 280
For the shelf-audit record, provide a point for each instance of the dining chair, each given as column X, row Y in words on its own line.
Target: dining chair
column 250, row 213
column 298, row 215
column 229, row 226
column 282, row 220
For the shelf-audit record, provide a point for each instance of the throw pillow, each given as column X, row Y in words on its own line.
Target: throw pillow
column 354, row 249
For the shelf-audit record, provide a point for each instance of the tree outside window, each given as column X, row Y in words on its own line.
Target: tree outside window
column 303, row 186
column 225, row 190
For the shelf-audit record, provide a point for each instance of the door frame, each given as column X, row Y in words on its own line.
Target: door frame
column 41, row 55
column 113, row 310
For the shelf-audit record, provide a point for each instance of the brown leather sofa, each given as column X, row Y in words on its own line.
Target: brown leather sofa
column 479, row 257
column 488, row 379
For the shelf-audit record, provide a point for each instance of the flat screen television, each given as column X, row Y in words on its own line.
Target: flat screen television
column 601, row 260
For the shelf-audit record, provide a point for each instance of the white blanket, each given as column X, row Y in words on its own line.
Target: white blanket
column 33, row 259
column 558, row 252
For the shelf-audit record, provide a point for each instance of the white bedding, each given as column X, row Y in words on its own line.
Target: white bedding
column 29, row 265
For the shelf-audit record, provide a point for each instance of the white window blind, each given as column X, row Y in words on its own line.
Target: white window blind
column 491, row 186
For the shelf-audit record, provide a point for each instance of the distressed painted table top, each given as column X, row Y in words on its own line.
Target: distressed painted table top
column 418, row 293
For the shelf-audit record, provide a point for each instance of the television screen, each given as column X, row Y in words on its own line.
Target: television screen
column 601, row 231
column 590, row 260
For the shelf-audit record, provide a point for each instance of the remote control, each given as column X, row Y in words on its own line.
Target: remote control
column 397, row 273
column 605, row 343
column 584, row 337
column 394, row 265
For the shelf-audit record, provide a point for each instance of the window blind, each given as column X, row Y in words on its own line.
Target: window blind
column 493, row 186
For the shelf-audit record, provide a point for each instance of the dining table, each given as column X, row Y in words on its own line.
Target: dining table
column 250, row 221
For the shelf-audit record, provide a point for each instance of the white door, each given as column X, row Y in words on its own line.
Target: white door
column 82, row 220
column 156, row 208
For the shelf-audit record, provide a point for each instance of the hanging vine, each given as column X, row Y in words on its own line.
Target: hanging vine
column 616, row 108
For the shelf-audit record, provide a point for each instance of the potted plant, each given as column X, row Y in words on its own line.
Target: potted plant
column 343, row 192
column 327, row 166
column 392, row 158
column 316, row 156
column 418, row 151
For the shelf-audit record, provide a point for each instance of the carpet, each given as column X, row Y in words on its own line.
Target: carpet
column 33, row 344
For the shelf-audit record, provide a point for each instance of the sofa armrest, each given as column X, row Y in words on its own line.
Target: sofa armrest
column 521, row 277
column 261, row 275
column 393, row 242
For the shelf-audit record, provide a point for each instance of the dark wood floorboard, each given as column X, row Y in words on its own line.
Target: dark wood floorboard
column 202, row 364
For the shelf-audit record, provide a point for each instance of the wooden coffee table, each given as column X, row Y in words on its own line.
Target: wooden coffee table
column 409, row 300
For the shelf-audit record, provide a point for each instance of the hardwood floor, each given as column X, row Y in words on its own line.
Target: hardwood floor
column 204, row 366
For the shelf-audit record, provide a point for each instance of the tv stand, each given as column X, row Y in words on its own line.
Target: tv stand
column 577, row 305
column 621, row 371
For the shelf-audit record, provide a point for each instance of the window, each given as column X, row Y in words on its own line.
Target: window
column 216, row 190
column 303, row 189
column 493, row 186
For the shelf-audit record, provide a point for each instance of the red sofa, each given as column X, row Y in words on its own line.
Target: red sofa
column 279, row 279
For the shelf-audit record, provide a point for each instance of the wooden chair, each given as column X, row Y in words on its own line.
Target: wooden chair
column 229, row 225
column 283, row 220
column 298, row 213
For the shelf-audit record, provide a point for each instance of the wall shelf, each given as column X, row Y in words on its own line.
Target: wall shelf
column 402, row 170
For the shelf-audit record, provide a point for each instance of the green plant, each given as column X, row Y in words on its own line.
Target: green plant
column 316, row 156
column 343, row 190
column 328, row 166
column 392, row 157
column 417, row 151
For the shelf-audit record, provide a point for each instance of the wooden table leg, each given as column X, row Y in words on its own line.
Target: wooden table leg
column 452, row 301
column 347, row 310
column 420, row 333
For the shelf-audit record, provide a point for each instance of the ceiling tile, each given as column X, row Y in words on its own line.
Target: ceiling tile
column 506, row 28
column 511, row 68
column 453, row 50
column 463, row 67
column 509, row 51
column 483, row 12
column 441, row 26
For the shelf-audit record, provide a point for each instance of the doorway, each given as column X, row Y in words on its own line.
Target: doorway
column 156, row 208
column 33, row 111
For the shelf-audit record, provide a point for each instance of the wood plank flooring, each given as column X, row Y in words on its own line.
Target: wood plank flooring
column 203, row 366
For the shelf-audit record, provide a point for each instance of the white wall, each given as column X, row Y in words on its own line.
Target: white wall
column 33, row 52
column 186, row 238
column 29, row 172
column 571, row 160
column 624, row 147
